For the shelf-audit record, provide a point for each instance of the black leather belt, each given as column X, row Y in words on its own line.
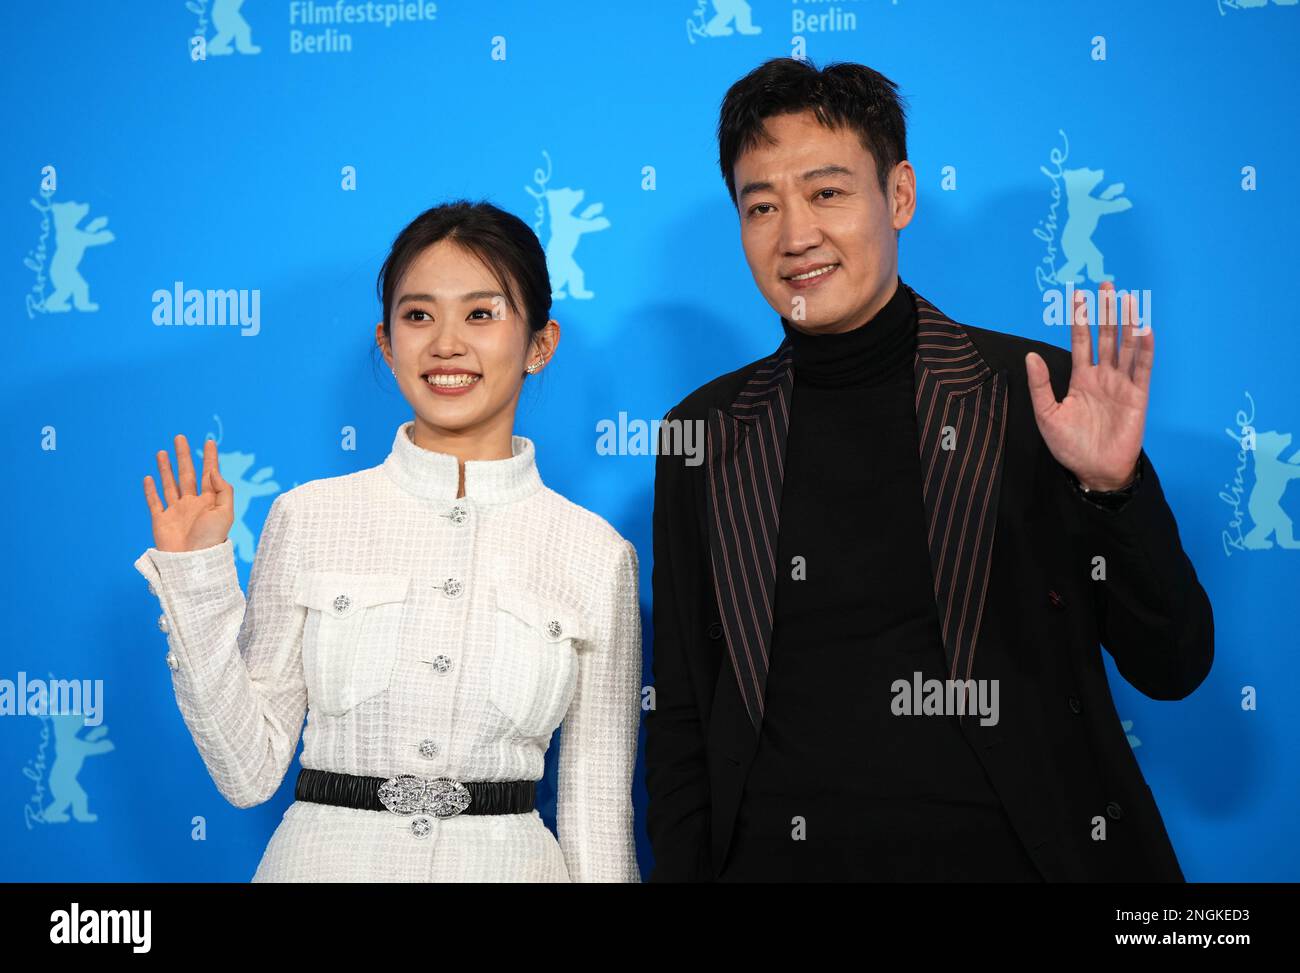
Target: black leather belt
column 409, row 794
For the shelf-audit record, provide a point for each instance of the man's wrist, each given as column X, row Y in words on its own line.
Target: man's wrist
column 1103, row 487
column 1108, row 499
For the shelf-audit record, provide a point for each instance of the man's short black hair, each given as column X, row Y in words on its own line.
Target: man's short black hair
column 838, row 95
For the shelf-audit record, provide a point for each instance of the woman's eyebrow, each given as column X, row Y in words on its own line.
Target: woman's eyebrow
column 471, row 296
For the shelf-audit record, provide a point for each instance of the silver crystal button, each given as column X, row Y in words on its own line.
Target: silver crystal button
column 452, row 588
column 554, row 629
column 172, row 661
column 408, row 794
column 442, row 663
column 428, row 748
column 342, row 603
column 152, row 589
column 421, row 827
column 458, row 515
column 163, row 624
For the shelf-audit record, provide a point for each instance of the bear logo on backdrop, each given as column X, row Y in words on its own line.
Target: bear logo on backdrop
column 234, row 469
column 70, row 243
column 48, row 701
column 70, row 752
column 62, row 287
column 1085, row 210
column 1226, row 5
column 566, row 229
column 231, row 29
column 1083, row 213
column 1276, row 464
column 729, row 17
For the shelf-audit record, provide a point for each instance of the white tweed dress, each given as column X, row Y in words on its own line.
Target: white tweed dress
column 420, row 634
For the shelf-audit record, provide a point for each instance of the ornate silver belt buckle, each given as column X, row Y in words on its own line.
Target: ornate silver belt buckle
column 409, row 794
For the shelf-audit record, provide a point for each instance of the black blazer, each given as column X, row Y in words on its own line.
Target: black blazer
column 1012, row 549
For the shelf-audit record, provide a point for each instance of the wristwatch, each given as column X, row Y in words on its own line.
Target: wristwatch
column 1107, row 499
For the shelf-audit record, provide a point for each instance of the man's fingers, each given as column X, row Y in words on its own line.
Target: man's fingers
column 1107, row 329
column 1080, row 333
column 1128, row 342
column 1040, row 384
column 1146, row 353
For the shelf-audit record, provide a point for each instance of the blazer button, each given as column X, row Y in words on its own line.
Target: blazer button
column 1076, row 707
column 1055, row 599
column 420, row 827
column 428, row 748
column 715, row 630
column 163, row 624
column 1114, row 811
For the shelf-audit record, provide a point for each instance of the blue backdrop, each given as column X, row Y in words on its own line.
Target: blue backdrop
column 273, row 149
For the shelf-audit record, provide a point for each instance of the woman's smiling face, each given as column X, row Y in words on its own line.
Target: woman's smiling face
column 459, row 349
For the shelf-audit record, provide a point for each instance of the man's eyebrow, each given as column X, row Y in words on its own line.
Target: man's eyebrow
column 471, row 296
column 830, row 170
column 818, row 173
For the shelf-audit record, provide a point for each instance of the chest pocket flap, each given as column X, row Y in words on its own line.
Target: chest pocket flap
column 553, row 619
column 340, row 595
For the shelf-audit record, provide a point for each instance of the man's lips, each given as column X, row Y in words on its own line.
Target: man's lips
column 811, row 275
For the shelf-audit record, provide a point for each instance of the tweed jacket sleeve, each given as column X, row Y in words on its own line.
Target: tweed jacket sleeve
column 598, row 739
column 236, row 670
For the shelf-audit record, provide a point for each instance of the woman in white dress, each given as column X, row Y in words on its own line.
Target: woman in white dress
column 436, row 617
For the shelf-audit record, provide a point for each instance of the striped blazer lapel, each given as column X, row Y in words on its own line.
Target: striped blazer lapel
column 746, row 454
column 961, row 410
column 961, row 418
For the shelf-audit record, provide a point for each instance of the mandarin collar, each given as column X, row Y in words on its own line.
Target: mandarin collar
column 435, row 476
column 876, row 352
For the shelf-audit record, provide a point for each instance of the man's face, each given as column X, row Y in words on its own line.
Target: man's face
column 810, row 204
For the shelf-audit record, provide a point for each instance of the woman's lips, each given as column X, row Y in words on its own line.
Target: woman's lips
column 458, row 389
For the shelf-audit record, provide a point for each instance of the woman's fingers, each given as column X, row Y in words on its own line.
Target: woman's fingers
column 185, row 464
column 151, row 497
column 165, row 477
column 205, row 479
column 212, row 472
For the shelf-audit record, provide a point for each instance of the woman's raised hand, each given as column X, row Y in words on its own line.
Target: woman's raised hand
column 193, row 518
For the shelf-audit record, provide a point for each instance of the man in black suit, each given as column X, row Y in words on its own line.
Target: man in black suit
column 879, row 603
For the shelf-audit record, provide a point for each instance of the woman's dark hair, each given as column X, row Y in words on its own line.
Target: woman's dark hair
column 838, row 95
column 506, row 244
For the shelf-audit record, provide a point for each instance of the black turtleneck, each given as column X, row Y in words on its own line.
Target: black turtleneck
column 840, row 788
